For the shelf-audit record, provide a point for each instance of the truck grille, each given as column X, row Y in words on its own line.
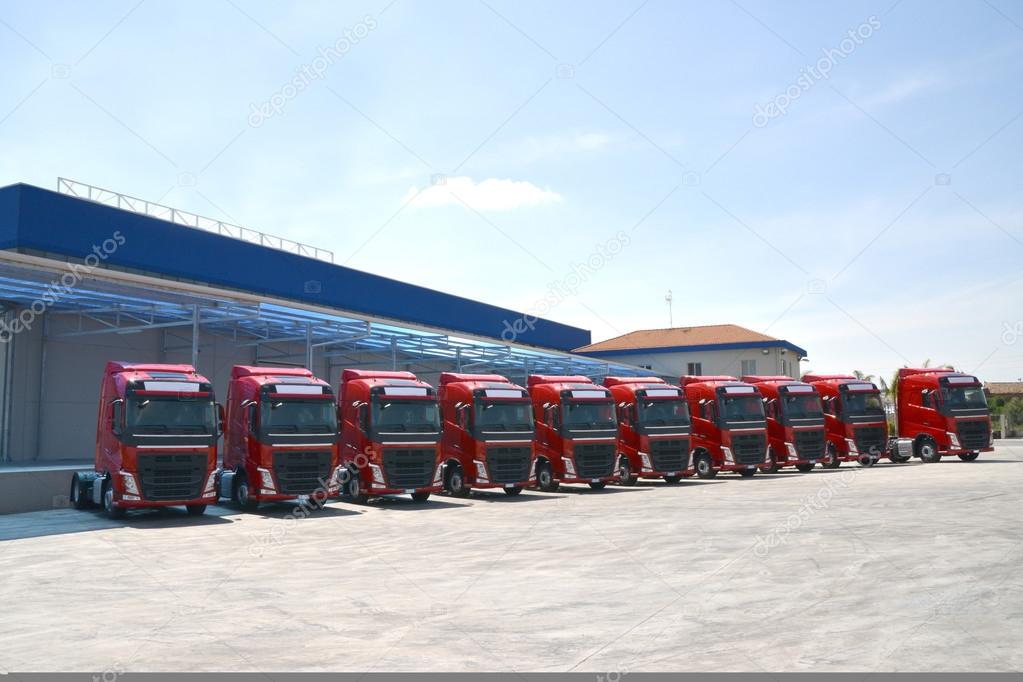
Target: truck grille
column 509, row 464
column 301, row 473
column 594, row 460
column 409, row 468
column 973, row 435
column 810, row 444
column 869, row 439
column 669, row 455
column 172, row 476
column 749, row 448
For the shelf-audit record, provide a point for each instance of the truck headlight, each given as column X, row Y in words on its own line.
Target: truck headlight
column 266, row 479
column 569, row 467
column 728, row 454
column 481, row 470
column 378, row 476
column 645, row 458
column 211, row 484
column 851, row 444
column 953, row 439
column 791, row 447
column 129, row 484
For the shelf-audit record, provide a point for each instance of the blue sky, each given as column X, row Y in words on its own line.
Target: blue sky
column 489, row 148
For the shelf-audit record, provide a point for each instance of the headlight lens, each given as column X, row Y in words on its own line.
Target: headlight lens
column 129, row 484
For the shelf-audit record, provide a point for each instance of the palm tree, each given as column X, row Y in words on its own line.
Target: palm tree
column 861, row 376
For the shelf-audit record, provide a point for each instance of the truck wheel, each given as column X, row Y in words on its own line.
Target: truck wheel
column 704, row 468
column 112, row 511
column 195, row 509
column 831, row 460
column 545, row 478
column 243, row 493
column 599, row 485
column 78, row 498
column 805, row 468
column 927, row 450
column 512, row 492
column 773, row 467
column 747, row 473
column 969, row 456
column 354, row 490
column 867, row 460
column 625, row 472
column 455, row 482
column 420, row 497
column 672, row 479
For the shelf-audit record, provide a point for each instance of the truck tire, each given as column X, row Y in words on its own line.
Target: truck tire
column 969, row 456
column 420, row 497
column 354, row 489
column 866, row 460
column 545, row 478
column 112, row 511
column 195, row 509
column 927, row 450
column 672, row 479
column 625, row 472
column 454, row 482
column 599, row 485
column 242, row 493
column 512, row 492
column 77, row 496
column 773, row 467
column 831, row 460
column 805, row 468
column 747, row 473
column 704, row 467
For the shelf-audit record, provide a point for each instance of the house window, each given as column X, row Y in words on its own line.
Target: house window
column 749, row 367
column 785, row 368
column 694, row 369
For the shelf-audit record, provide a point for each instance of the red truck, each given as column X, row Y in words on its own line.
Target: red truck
column 653, row 429
column 728, row 425
column 156, row 441
column 854, row 417
column 281, row 434
column 940, row 412
column 795, row 422
column 487, row 433
column 390, row 435
column 576, row 431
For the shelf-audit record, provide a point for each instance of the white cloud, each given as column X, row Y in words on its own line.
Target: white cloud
column 492, row 194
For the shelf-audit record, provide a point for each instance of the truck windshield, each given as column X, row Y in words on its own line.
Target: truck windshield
column 499, row 417
column 170, row 415
column 862, row 404
column 299, row 416
column 747, row 408
column 806, row 406
column 665, row 412
column 964, row 398
column 589, row 415
column 405, row 416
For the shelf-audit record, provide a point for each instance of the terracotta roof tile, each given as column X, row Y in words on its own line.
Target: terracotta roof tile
column 1004, row 387
column 679, row 336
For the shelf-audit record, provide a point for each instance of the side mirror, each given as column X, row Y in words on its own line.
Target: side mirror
column 221, row 418
column 116, row 416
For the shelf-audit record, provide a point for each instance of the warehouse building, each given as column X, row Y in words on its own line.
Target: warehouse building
column 88, row 275
column 708, row 350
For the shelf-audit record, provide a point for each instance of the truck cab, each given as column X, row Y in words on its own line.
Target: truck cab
column 487, row 433
column 728, row 425
column 156, row 441
column 795, row 422
column 941, row 412
column 653, row 429
column 281, row 434
column 854, row 417
column 390, row 435
column 576, row 431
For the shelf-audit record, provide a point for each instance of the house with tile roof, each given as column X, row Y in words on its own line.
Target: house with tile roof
column 703, row 350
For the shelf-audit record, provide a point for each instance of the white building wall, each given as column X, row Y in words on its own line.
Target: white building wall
column 779, row 361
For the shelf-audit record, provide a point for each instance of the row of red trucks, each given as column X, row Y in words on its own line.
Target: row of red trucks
column 286, row 435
